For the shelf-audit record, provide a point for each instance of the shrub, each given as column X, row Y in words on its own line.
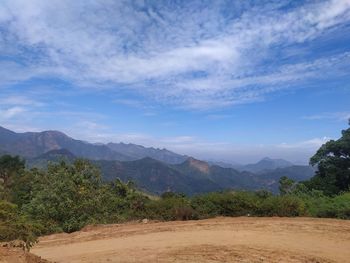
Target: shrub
column 225, row 204
column 14, row 226
column 335, row 207
column 170, row 208
column 286, row 205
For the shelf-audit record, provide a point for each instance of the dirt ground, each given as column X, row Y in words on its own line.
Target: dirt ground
column 17, row 255
column 242, row 239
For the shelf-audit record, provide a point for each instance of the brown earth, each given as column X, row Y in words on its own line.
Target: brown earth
column 242, row 239
column 18, row 255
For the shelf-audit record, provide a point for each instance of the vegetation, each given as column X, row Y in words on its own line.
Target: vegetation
column 66, row 197
column 333, row 161
column 14, row 225
column 286, row 185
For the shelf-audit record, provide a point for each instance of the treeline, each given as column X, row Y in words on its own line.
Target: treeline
column 66, row 197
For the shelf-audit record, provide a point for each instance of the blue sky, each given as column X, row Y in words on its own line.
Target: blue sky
column 224, row 80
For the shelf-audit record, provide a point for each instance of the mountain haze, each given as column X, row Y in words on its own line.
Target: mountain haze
column 190, row 177
column 33, row 144
column 138, row 152
column 153, row 170
column 264, row 165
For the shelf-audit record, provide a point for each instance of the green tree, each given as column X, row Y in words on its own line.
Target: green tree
column 286, row 185
column 22, row 187
column 333, row 161
column 14, row 225
column 10, row 168
column 66, row 195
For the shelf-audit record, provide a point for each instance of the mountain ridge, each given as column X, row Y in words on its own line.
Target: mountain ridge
column 33, row 144
column 181, row 173
column 265, row 164
column 139, row 152
column 156, row 177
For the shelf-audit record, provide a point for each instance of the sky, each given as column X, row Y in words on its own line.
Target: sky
column 222, row 80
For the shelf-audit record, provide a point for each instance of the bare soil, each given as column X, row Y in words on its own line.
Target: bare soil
column 242, row 239
column 17, row 255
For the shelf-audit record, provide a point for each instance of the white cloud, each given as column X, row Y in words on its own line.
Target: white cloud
column 336, row 116
column 190, row 57
column 308, row 144
column 19, row 101
column 11, row 112
column 219, row 116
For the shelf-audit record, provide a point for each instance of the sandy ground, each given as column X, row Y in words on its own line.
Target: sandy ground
column 214, row 240
column 17, row 255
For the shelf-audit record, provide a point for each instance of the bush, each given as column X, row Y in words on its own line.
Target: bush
column 261, row 203
column 14, row 226
column 335, row 207
column 170, row 208
column 225, row 204
column 286, row 205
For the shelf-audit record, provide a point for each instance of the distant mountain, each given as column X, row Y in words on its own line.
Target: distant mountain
column 165, row 171
column 265, row 165
column 225, row 178
column 232, row 165
column 195, row 176
column 190, row 177
column 54, row 156
column 155, row 177
column 296, row 172
column 34, row 144
column 152, row 176
column 2, row 152
column 139, row 152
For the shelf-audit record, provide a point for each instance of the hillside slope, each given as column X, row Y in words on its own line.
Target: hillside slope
column 33, row 144
column 168, row 172
column 265, row 164
column 139, row 152
column 190, row 177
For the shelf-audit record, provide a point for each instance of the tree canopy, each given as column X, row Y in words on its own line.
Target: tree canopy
column 333, row 161
column 10, row 167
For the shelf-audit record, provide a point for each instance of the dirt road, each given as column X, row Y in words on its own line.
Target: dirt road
column 214, row 240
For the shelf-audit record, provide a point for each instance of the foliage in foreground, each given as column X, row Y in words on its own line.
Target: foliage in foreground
column 333, row 162
column 14, row 225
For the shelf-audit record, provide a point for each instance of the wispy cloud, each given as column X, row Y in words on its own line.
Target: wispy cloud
column 336, row 116
column 308, row 144
column 20, row 101
column 11, row 112
column 153, row 57
column 190, row 55
column 219, row 116
column 15, row 108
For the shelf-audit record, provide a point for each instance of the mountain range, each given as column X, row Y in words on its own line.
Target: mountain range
column 153, row 170
column 33, row 144
column 264, row 165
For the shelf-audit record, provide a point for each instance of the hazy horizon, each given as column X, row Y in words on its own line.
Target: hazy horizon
column 228, row 81
column 252, row 159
